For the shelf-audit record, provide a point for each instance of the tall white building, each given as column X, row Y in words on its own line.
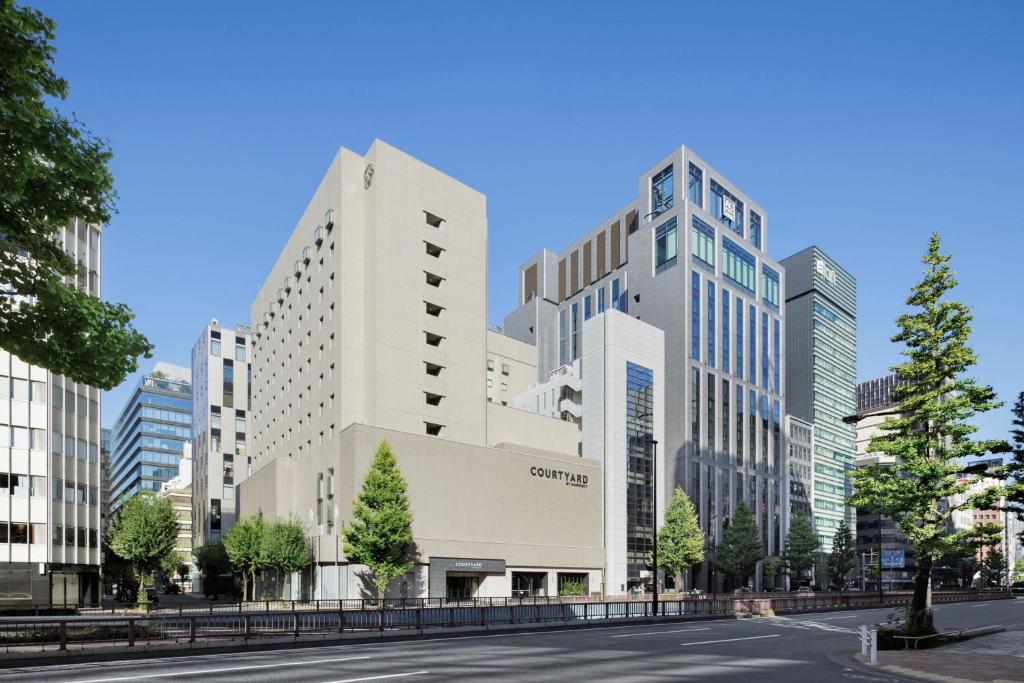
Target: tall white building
column 50, row 468
column 222, row 459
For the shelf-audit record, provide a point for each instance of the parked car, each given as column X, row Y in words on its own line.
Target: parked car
column 804, row 589
column 742, row 590
column 697, row 591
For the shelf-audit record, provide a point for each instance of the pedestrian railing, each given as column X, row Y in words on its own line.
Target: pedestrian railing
column 83, row 631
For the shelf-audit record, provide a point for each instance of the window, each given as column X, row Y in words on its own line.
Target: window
column 738, row 265
column 433, row 250
column 725, row 419
column 665, row 246
column 710, row 360
column 432, row 309
column 695, row 315
column 214, row 514
column 739, row 338
column 432, row 220
column 725, row 330
column 561, row 338
column 19, row 532
column 764, row 351
column 433, row 339
column 433, row 280
column 711, row 414
column 696, row 185
column 490, row 383
column 776, row 352
column 726, row 208
column 505, row 369
column 755, row 229
column 695, row 408
column 575, row 330
column 432, row 399
column 433, row 429
column 615, row 294
column 661, row 191
column 504, row 386
column 752, row 347
column 240, row 351
column 769, row 286
column 490, row 365
column 703, row 241
column 586, row 307
column 739, row 425
column 214, row 347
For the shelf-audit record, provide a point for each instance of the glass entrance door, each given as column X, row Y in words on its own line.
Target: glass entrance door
column 461, row 587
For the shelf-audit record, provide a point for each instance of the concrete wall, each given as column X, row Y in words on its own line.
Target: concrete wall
column 515, row 427
column 468, row 501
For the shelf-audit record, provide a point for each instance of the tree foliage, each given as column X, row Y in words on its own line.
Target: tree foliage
column 285, row 547
column 52, row 171
column 244, row 546
column 380, row 534
column 741, row 548
column 680, row 539
column 931, row 434
column 994, row 567
column 144, row 531
column 801, row 547
column 843, row 558
column 212, row 560
column 1015, row 468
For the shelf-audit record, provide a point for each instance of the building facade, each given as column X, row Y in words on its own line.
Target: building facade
column 687, row 256
column 877, row 535
column 50, row 471
column 800, row 435
column 372, row 327
column 821, row 357
column 150, row 432
column 179, row 491
column 221, row 376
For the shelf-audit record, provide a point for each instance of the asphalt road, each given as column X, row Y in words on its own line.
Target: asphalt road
column 791, row 649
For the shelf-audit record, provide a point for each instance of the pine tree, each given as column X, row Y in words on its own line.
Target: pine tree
column 843, row 557
column 994, row 567
column 931, row 434
column 680, row 539
column 1015, row 468
column 801, row 547
column 741, row 548
column 380, row 534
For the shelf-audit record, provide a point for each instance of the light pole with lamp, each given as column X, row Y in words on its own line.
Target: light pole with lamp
column 654, row 524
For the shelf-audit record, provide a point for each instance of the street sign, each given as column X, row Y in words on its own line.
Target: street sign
column 894, row 558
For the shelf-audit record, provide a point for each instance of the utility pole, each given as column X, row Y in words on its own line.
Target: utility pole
column 654, row 525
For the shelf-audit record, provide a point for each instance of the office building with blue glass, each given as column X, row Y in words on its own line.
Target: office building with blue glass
column 821, row 351
column 150, row 433
column 687, row 256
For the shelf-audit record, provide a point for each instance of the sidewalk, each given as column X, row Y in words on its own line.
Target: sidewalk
column 996, row 658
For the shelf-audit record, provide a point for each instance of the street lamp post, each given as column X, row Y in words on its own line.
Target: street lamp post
column 881, row 590
column 654, row 525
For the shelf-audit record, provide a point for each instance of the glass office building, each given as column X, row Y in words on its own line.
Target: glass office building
column 821, row 352
column 149, row 436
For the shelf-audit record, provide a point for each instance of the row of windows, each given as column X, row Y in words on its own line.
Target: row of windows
column 22, row 485
column 617, row 298
column 22, row 437
column 22, row 389
column 70, row 492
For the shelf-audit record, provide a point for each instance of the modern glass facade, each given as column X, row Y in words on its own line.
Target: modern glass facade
column 149, row 436
column 639, row 469
column 821, row 304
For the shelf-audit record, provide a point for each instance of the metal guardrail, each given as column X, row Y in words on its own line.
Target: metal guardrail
column 60, row 632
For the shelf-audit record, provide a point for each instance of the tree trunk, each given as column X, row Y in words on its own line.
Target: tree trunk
column 382, row 587
column 919, row 617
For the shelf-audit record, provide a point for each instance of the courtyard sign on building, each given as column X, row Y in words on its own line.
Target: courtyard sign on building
column 569, row 478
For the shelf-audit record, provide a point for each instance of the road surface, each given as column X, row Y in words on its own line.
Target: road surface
column 792, row 649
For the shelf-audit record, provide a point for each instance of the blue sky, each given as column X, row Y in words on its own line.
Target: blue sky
column 860, row 127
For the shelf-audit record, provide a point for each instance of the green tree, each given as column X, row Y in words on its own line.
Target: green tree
column 931, row 434
column 244, row 546
column 380, row 534
column 53, row 172
column 285, row 547
column 1018, row 571
column 680, row 539
column 771, row 570
column 801, row 547
column 741, row 548
column 1015, row 468
column 994, row 567
column 144, row 531
column 843, row 558
column 212, row 560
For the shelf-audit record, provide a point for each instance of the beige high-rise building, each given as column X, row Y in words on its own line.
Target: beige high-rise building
column 372, row 326
column 381, row 289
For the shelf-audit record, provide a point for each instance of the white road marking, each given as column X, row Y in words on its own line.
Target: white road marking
column 658, row 633
column 852, row 616
column 729, row 640
column 378, row 678
column 232, row 668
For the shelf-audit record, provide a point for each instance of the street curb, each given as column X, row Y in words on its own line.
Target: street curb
column 849, row 660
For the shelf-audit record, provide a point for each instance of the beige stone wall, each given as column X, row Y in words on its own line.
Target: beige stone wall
column 511, row 367
column 467, row 500
column 518, row 430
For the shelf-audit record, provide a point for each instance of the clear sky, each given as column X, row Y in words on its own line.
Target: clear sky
column 860, row 127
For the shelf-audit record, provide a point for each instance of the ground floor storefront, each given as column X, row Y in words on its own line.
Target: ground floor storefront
column 39, row 584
